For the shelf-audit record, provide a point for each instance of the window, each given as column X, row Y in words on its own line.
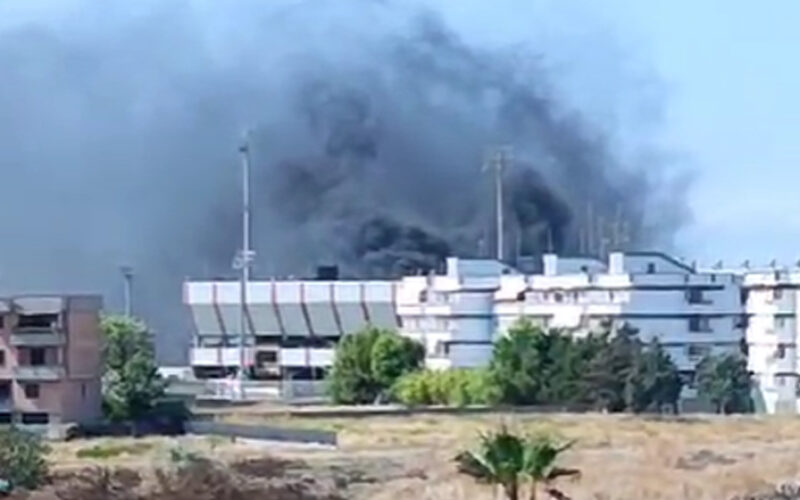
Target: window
column 38, row 356
column 611, row 296
column 442, row 324
column 777, row 293
column 266, row 357
column 688, row 378
column 423, row 296
column 695, row 296
column 32, row 391
column 697, row 351
column 2, row 357
column 37, row 320
column 35, row 418
column 5, row 418
column 83, row 391
column 559, row 297
column 521, row 296
column 651, row 268
column 780, row 351
column 699, row 324
column 440, row 349
column 5, row 391
column 780, row 323
column 2, row 321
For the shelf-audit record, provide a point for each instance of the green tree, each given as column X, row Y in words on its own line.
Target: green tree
column 606, row 378
column 22, row 459
column 367, row 363
column 725, row 382
column 393, row 356
column 657, row 378
column 510, row 461
column 132, row 385
column 517, row 364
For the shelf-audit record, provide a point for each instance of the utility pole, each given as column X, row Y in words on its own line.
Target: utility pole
column 243, row 261
column 127, row 276
column 497, row 162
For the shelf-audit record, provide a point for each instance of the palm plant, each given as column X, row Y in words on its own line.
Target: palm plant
column 508, row 460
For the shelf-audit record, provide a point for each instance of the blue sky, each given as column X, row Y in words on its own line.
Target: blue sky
column 729, row 76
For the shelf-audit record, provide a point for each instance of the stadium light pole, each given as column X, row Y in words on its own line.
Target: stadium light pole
column 497, row 162
column 244, row 260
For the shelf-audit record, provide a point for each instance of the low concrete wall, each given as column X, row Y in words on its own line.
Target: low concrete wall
column 260, row 432
column 380, row 410
column 294, row 389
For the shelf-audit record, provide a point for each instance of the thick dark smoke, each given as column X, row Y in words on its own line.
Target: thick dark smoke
column 370, row 123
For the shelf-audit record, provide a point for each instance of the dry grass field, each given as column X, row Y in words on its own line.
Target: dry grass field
column 621, row 457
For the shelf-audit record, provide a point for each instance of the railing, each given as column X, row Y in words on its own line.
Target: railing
column 51, row 328
column 35, row 338
column 46, row 373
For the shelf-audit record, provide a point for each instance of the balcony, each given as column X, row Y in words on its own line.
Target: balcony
column 36, row 337
column 41, row 373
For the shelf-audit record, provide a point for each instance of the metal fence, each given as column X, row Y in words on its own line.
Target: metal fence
column 250, row 390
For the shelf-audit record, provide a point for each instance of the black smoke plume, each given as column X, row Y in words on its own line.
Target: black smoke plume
column 120, row 121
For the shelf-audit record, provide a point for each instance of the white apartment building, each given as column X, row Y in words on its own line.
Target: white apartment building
column 294, row 325
column 692, row 314
column 772, row 308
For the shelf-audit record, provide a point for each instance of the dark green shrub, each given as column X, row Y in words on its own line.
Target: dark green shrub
column 22, row 458
column 725, row 382
column 392, row 356
column 458, row 387
column 612, row 371
column 518, row 364
column 367, row 364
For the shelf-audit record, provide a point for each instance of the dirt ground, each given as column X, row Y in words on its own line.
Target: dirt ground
column 383, row 458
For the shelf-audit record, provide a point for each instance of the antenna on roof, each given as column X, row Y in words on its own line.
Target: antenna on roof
column 718, row 265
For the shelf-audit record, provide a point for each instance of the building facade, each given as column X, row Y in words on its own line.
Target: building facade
column 772, row 308
column 50, row 360
column 457, row 315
